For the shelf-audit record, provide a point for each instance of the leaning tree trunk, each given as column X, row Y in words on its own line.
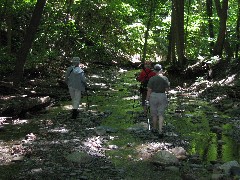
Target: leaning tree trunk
column 222, row 13
column 27, row 42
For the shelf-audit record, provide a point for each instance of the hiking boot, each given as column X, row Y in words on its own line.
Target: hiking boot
column 160, row 136
column 74, row 114
column 154, row 132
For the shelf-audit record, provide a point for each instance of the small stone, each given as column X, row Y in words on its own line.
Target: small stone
column 18, row 159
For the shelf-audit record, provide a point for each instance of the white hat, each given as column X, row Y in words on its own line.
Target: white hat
column 157, row 67
column 75, row 60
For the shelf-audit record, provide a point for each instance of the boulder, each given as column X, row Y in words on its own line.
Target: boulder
column 164, row 158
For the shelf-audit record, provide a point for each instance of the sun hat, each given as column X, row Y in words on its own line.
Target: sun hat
column 157, row 67
column 75, row 60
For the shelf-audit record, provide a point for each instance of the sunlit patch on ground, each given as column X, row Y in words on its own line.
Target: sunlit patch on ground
column 59, row 130
column 131, row 98
column 145, row 151
column 20, row 121
column 229, row 80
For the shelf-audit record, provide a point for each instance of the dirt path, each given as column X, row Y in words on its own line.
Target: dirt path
column 109, row 139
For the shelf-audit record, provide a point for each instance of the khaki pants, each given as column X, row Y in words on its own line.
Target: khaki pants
column 158, row 103
column 75, row 96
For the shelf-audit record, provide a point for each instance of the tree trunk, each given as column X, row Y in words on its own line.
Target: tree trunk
column 178, row 6
column 238, row 31
column 222, row 13
column 228, row 49
column 2, row 17
column 187, row 21
column 172, row 38
column 9, row 25
column 27, row 42
column 210, row 24
column 146, row 34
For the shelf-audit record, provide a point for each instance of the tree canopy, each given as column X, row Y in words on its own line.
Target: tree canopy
column 178, row 33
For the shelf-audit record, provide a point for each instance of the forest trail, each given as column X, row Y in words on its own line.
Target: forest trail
column 110, row 139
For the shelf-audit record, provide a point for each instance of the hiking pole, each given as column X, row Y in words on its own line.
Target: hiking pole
column 148, row 116
column 87, row 103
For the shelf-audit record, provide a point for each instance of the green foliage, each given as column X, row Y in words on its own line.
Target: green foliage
column 106, row 31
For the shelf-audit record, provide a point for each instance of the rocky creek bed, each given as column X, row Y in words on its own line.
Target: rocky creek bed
column 110, row 138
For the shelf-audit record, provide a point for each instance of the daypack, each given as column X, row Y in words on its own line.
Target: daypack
column 144, row 83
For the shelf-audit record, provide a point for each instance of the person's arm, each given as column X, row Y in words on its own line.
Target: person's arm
column 84, row 79
column 67, row 73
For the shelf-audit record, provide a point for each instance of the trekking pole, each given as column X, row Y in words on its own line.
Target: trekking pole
column 149, row 125
column 148, row 115
column 87, row 103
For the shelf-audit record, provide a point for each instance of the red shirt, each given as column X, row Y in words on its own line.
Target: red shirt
column 147, row 73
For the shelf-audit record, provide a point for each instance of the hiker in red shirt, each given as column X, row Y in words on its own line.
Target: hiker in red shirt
column 143, row 77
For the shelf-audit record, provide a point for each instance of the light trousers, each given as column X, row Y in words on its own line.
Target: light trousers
column 158, row 103
column 75, row 96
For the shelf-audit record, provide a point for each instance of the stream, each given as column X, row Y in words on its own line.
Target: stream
column 209, row 131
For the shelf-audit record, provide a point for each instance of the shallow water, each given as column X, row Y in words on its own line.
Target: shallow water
column 208, row 131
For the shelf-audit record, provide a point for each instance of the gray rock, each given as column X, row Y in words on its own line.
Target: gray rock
column 235, row 171
column 79, row 157
column 164, row 158
column 228, row 165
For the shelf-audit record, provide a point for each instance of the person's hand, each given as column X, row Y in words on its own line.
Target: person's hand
column 146, row 103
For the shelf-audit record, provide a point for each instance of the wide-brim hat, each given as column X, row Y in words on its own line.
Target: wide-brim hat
column 75, row 60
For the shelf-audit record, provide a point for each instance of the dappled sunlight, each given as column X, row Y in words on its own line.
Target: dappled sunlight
column 228, row 81
column 20, row 121
column 59, row 130
column 100, row 84
column 132, row 98
column 15, row 150
column 146, row 150
column 96, row 76
column 218, row 99
column 82, row 106
column 122, row 70
column 67, row 107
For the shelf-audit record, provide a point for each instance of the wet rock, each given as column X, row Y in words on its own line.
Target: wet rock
column 221, row 142
column 172, row 168
column 18, row 159
column 195, row 159
column 217, row 176
column 139, row 127
column 113, row 147
column 83, row 177
column 2, row 128
column 179, row 152
column 79, row 157
column 37, row 170
column 216, row 129
column 228, row 165
column 101, row 130
column 164, row 158
column 235, row 171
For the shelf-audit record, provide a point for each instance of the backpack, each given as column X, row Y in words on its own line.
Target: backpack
column 144, row 83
